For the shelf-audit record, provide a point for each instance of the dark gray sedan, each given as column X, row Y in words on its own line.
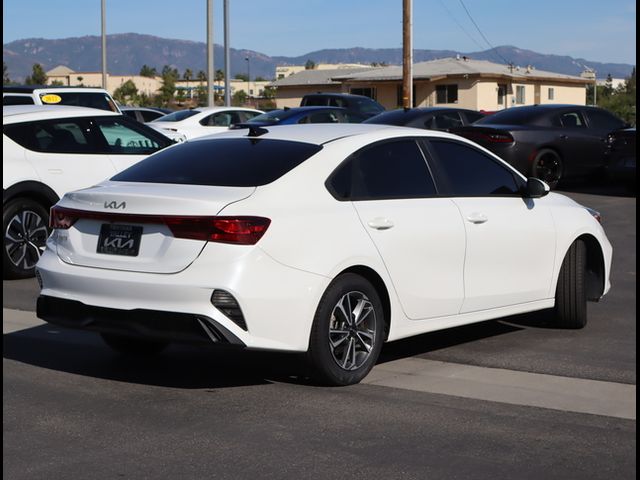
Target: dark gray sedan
column 549, row 142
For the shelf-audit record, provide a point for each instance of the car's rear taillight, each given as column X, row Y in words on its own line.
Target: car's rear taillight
column 61, row 218
column 488, row 137
column 238, row 230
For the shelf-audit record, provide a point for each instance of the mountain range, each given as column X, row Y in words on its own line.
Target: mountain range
column 128, row 52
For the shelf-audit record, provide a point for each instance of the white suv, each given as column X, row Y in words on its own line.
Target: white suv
column 51, row 95
column 48, row 151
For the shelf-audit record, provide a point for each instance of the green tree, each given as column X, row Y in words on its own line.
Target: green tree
column 147, row 71
column 5, row 74
column 202, row 76
column 57, row 83
column 168, row 88
column 622, row 101
column 241, row 76
column 269, row 92
column 310, row 65
column 187, row 75
column 239, row 98
column 126, row 93
column 37, row 77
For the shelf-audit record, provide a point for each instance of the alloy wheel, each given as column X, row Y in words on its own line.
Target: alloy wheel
column 25, row 239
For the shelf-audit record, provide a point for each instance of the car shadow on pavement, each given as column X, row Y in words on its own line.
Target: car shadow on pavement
column 184, row 366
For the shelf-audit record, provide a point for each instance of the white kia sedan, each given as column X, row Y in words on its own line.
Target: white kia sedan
column 197, row 122
column 326, row 239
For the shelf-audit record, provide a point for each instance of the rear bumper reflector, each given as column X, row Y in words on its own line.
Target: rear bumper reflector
column 151, row 324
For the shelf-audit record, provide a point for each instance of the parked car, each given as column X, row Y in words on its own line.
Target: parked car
column 144, row 114
column 48, row 151
column 53, row 95
column 197, row 122
column 356, row 103
column 293, row 238
column 299, row 115
column 430, row 118
column 549, row 142
column 621, row 157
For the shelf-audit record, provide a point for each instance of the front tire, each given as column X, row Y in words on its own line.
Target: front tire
column 347, row 333
column 133, row 346
column 547, row 166
column 25, row 224
column 571, row 292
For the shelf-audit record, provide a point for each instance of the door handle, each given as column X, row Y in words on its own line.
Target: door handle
column 477, row 218
column 380, row 223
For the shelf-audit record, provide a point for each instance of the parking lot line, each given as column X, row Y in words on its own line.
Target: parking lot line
column 508, row 386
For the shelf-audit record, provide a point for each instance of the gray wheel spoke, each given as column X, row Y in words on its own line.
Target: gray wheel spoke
column 339, row 341
column 366, row 346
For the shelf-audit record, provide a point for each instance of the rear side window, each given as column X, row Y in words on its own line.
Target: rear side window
column 317, row 101
column 226, row 162
column 178, row 116
column 388, row 170
column 17, row 100
column 52, row 136
column 467, row 172
column 446, row 120
column 149, row 116
column 604, row 120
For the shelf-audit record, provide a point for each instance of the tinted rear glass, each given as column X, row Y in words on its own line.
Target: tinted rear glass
column 98, row 100
column 17, row 100
column 394, row 117
column 273, row 117
column 177, row 116
column 228, row 162
column 513, row 116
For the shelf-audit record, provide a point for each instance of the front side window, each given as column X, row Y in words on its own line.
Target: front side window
column 321, row 117
column 389, row 170
column 447, row 120
column 127, row 139
column 222, row 119
column 447, row 93
column 520, row 95
column 149, row 116
column 467, row 172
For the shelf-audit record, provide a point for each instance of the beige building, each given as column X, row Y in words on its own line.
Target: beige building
column 68, row 77
column 460, row 82
column 284, row 71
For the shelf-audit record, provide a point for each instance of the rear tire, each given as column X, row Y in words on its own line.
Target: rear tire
column 571, row 292
column 347, row 333
column 547, row 166
column 133, row 346
column 25, row 226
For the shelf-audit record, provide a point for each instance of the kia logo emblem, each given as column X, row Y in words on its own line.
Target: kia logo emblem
column 115, row 204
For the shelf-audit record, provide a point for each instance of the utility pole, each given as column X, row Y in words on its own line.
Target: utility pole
column 210, row 101
column 227, row 57
column 104, row 46
column 407, row 55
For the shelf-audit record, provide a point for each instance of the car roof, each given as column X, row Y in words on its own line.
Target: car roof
column 223, row 109
column 26, row 113
column 329, row 94
column 321, row 133
column 33, row 88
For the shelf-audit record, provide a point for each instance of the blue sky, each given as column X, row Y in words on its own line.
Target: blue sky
column 599, row 30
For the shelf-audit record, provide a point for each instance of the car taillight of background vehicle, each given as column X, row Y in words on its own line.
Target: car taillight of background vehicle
column 489, row 137
column 242, row 230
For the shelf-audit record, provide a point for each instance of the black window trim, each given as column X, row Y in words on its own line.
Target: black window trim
column 423, row 153
column 440, row 177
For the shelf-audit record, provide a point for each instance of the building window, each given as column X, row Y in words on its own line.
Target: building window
column 520, row 98
column 367, row 92
column 280, row 75
column 447, row 93
column 552, row 94
column 502, row 93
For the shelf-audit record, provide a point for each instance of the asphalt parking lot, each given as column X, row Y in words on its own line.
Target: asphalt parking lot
column 503, row 399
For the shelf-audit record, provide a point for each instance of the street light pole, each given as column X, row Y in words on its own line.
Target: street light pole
column 227, row 57
column 210, row 99
column 407, row 55
column 248, row 78
column 104, row 45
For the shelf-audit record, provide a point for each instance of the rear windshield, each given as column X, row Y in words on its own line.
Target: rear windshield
column 228, row 162
column 97, row 100
column 513, row 116
column 177, row 116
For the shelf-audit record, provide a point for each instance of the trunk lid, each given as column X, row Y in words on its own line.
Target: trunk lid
column 125, row 225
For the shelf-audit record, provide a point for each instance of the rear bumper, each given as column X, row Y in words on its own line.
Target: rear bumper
column 278, row 302
column 152, row 324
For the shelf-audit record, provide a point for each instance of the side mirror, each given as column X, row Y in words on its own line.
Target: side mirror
column 535, row 188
